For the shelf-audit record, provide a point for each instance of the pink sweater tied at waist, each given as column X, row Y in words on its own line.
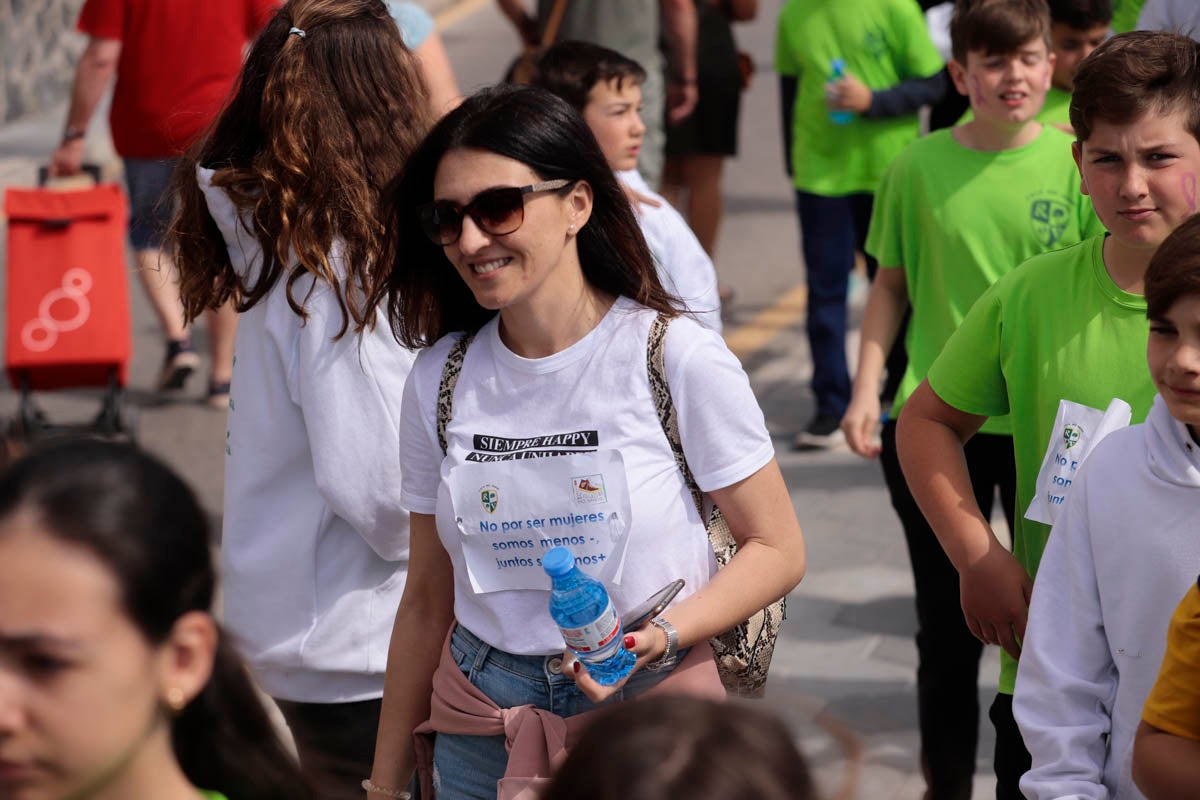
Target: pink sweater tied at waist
column 537, row 740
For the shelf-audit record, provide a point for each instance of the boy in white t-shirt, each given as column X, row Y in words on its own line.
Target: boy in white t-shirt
column 1123, row 550
column 606, row 88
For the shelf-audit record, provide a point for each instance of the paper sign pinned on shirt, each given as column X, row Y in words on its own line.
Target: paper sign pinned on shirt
column 510, row 513
column 1077, row 430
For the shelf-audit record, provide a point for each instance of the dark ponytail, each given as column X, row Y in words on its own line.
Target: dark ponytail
column 144, row 523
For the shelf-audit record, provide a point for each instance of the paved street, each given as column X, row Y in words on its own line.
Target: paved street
column 847, row 649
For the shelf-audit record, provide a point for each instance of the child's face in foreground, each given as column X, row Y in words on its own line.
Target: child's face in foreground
column 79, row 684
column 1141, row 176
column 1070, row 46
column 1006, row 88
column 612, row 113
column 1173, row 353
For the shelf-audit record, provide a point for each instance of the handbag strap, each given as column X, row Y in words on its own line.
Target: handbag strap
column 450, row 372
column 656, row 368
column 553, row 23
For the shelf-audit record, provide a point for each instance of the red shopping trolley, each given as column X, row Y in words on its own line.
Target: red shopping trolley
column 67, row 302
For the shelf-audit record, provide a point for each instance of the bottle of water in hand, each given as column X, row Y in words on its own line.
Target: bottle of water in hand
column 590, row 625
column 837, row 71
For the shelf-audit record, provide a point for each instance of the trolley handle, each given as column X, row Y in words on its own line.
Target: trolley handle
column 93, row 170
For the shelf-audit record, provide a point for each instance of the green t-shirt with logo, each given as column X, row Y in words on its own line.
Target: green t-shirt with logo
column 883, row 42
column 1125, row 15
column 1055, row 111
column 1056, row 328
column 957, row 220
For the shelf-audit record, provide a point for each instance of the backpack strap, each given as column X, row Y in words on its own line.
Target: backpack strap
column 656, row 367
column 450, row 372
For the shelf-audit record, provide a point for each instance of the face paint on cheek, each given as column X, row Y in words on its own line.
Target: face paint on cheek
column 1188, row 183
column 977, row 91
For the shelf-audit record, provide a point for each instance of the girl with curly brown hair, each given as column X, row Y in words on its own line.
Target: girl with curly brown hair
column 279, row 212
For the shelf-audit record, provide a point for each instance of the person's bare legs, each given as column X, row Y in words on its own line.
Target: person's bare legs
column 702, row 176
column 157, row 274
column 161, row 284
column 222, row 330
column 672, row 188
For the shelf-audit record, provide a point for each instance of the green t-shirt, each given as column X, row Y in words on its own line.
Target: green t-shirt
column 213, row 795
column 1055, row 111
column 883, row 42
column 1125, row 15
column 928, row 220
column 1056, row 328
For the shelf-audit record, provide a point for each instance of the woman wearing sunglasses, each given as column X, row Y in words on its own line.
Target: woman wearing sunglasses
column 519, row 261
column 279, row 210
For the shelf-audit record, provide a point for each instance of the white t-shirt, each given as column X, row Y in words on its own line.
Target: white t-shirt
column 314, row 551
column 590, row 401
column 684, row 269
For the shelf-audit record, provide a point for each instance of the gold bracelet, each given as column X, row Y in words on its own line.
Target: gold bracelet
column 371, row 786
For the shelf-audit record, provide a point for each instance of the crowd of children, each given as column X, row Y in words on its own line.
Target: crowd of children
column 1036, row 285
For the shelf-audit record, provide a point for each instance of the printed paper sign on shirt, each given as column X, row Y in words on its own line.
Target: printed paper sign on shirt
column 510, row 513
column 1077, row 429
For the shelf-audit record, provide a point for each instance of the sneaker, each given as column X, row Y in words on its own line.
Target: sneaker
column 823, row 433
column 178, row 365
column 218, row 395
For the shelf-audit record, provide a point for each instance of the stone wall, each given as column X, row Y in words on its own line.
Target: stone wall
column 38, row 49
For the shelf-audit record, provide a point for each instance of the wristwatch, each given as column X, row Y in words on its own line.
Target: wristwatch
column 667, row 659
column 71, row 134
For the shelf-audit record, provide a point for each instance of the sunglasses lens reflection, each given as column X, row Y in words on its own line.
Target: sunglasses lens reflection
column 497, row 212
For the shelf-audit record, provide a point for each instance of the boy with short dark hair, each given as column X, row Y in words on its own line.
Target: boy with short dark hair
column 605, row 87
column 1122, row 551
column 1077, row 28
column 1065, row 326
column 937, row 254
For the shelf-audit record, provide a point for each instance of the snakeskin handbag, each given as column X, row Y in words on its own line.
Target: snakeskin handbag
column 743, row 653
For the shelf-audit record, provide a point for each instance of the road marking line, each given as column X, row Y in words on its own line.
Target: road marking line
column 745, row 340
column 458, row 12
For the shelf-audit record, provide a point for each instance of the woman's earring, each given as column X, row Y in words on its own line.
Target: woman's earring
column 570, row 229
column 176, row 699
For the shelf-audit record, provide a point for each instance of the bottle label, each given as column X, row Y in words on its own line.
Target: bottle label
column 596, row 635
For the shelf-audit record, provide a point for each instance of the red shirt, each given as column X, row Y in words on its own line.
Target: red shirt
column 179, row 61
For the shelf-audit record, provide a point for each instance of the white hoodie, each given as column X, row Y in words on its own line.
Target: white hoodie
column 315, row 543
column 684, row 269
column 1124, row 550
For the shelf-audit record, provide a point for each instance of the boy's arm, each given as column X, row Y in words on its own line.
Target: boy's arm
column 907, row 97
column 1166, row 767
column 788, row 85
column 994, row 587
column 886, row 304
column 1067, row 682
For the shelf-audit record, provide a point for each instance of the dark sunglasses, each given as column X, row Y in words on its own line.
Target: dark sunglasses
column 497, row 212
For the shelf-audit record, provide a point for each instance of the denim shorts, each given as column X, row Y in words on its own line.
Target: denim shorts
column 150, row 207
column 468, row 767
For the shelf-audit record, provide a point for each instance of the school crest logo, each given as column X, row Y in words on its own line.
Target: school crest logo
column 1049, row 220
column 875, row 44
column 1071, row 435
column 589, row 489
column 489, row 496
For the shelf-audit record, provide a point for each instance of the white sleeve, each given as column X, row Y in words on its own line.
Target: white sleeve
column 721, row 426
column 420, row 454
column 1067, row 681
column 1155, row 16
column 684, row 268
column 349, row 392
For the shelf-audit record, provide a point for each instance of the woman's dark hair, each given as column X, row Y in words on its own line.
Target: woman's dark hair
column 680, row 746
column 145, row 525
column 1174, row 271
column 317, row 126
column 426, row 298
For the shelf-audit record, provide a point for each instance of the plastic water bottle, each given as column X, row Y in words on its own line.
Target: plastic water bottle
column 837, row 69
column 590, row 625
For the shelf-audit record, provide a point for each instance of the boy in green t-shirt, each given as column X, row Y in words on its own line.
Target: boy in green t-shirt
column 842, row 127
column 1077, row 28
column 1067, row 326
column 938, row 253
column 1125, row 15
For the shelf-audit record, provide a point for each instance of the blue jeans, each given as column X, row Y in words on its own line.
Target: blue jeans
column 150, row 204
column 831, row 229
column 468, row 767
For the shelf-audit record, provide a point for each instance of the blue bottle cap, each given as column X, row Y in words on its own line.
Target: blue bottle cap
column 558, row 562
